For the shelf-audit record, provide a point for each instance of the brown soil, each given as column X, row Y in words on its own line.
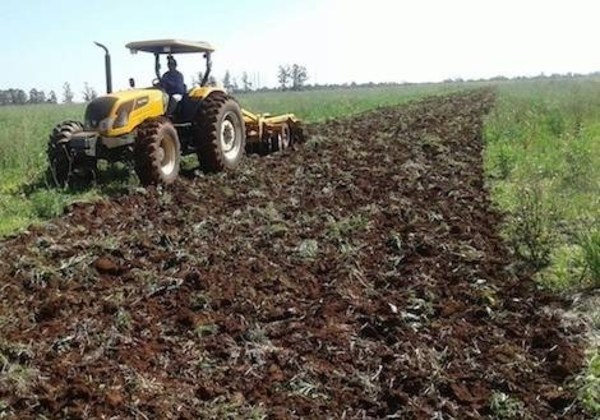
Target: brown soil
column 361, row 275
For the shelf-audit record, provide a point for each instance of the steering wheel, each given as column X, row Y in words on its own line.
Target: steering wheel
column 156, row 83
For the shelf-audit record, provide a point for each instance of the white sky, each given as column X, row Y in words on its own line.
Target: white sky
column 338, row 41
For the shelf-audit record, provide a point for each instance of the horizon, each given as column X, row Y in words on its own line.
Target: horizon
column 78, row 99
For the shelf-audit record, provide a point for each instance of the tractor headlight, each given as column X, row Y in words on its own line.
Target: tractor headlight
column 122, row 120
column 106, row 124
column 123, row 114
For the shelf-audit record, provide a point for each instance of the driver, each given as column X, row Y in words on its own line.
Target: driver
column 172, row 80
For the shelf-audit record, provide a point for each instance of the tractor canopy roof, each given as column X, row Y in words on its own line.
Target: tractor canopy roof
column 170, row 46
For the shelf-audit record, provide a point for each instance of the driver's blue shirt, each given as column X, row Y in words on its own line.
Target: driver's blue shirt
column 172, row 82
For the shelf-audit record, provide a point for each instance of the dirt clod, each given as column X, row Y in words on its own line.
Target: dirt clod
column 105, row 265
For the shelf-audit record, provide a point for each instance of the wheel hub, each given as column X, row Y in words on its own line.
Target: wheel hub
column 230, row 137
column 167, row 155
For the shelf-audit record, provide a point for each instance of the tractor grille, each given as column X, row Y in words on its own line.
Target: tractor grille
column 97, row 110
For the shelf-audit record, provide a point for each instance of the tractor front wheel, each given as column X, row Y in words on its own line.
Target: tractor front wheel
column 66, row 169
column 157, row 152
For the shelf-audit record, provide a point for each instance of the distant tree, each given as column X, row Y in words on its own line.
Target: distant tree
column 52, row 97
column 89, row 93
column 284, row 76
column 234, row 85
column 37, row 96
column 41, row 97
column 246, row 83
column 19, row 97
column 33, row 96
column 227, row 83
column 197, row 81
column 67, row 93
column 4, row 97
column 299, row 76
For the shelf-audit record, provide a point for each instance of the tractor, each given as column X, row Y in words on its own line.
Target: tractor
column 153, row 130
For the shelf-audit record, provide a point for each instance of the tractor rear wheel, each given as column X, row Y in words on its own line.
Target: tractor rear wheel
column 157, row 152
column 221, row 133
column 67, row 169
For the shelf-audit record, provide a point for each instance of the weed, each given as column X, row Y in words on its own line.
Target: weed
column 555, row 122
column 503, row 406
column 395, row 242
column 531, row 230
column 577, row 166
column 308, row 249
column 199, row 301
column 123, row 320
column 15, row 373
column 305, row 386
column 589, row 383
column 590, row 244
column 345, row 227
column 139, row 383
column 565, row 271
column 504, row 162
column 47, row 203
column 5, row 410
column 205, row 330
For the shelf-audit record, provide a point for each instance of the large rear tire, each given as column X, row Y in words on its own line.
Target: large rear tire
column 66, row 169
column 157, row 152
column 221, row 133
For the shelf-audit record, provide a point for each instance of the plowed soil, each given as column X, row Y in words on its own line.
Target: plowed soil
column 361, row 275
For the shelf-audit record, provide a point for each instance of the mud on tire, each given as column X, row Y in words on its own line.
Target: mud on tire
column 157, row 152
column 220, row 133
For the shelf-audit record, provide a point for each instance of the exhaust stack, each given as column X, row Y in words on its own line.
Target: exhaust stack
column 107, row 66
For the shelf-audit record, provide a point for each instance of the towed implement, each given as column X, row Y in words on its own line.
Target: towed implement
column 153, row 129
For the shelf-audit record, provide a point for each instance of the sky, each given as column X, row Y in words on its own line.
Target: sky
column 47, row 43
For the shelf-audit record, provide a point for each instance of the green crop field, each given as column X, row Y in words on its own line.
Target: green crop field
column 543, row 161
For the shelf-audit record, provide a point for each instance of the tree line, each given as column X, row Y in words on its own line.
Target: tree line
column 38, row 96
column 289, row 77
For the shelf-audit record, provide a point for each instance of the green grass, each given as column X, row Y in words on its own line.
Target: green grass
column 319, row 105
column 24, row 132
column 543, row 160
column 589, row 383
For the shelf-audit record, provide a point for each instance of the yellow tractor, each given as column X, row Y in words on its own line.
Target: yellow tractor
column 153, row 129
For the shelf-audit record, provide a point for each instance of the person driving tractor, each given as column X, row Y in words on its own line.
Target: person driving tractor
column 172, row 80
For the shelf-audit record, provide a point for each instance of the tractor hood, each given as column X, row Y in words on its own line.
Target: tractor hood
column 120, row 113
